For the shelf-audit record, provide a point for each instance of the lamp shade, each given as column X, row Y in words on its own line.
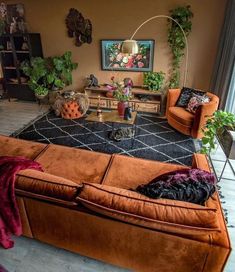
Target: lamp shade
column 129, row 47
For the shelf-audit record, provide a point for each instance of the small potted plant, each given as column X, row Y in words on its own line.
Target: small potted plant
column 154, row 80
column 216, row 125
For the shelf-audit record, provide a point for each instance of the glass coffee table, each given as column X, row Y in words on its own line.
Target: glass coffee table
column 113, row 118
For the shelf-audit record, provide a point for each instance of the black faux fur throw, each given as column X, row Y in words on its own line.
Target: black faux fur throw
column 191, row 185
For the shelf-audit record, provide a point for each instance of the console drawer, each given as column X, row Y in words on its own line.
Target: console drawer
column 94, row 102
column 148, row 107
column 113, row 104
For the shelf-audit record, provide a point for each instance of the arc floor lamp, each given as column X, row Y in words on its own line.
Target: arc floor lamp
column 131, row 47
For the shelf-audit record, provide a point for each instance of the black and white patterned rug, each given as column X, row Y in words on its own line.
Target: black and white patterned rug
column 155, row 139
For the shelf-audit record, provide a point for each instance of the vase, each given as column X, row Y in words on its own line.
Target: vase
column 121, row 108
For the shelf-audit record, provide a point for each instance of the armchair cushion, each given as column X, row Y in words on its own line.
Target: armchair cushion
column 185, row 95
column 181, row 115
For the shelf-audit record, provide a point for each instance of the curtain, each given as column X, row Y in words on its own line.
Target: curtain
column 225, row 60
column 230, row 103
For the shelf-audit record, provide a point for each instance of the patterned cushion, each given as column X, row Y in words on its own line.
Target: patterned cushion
column 186, row 94
column 195, row 101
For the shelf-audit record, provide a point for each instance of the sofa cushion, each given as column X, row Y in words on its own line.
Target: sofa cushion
column 161, row 214
column 45, row 184
column 126, row 172
column 17, row 147
column 75, row 164
column 181, row 115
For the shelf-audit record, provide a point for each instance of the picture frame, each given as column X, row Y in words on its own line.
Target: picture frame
column 113, row 60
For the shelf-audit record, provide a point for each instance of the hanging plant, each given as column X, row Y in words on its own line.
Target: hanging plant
column 176, row 40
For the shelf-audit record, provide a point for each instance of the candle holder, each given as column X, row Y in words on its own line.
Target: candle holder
column 99, row 110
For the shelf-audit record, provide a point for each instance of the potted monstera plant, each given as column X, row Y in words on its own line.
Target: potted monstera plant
column 36, row 70
column 48, row 74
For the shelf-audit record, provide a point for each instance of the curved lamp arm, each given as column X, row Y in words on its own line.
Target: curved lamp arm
column 186, row 41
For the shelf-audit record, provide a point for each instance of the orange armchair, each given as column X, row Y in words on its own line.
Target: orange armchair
column 186, row 122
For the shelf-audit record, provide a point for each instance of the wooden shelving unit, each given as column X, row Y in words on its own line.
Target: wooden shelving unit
column 12, row 55
column 142, row 100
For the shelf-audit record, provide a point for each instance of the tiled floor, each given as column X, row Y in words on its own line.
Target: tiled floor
column 227, row 185
column 32, row 256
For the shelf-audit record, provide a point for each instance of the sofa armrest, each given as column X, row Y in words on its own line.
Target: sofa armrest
column 200, row 161
column 202, row 114
column 45, row 184
column 172, row 97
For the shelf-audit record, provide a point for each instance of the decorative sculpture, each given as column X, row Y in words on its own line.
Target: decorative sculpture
column 92, row 81
column 78, row 27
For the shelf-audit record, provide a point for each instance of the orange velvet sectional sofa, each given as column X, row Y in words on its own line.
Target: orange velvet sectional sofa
column 82, row 203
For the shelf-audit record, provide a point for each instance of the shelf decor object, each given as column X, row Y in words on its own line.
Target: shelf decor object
column 113, row 59
column 130, row 46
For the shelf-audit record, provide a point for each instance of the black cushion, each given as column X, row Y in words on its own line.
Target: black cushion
column 186, row 94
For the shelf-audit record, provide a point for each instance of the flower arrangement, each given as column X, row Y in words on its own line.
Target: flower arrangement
column 121, row 89
column 118, row 59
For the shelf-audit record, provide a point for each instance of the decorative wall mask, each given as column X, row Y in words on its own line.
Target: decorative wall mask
column 78, row 27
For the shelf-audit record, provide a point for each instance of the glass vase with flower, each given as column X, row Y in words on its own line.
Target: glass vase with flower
column 122, row 92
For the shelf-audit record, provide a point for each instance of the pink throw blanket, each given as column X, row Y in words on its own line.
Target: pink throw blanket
column 9, row 214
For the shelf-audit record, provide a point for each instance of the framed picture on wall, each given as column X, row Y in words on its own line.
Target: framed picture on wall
column 113, row 59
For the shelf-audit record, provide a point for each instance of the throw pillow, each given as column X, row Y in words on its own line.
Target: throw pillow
column 195, row 101
column 185, row 95
column 190, row 185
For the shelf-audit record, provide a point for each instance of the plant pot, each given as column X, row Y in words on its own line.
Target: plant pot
column 226, row 137
column 121, row 108
column 40, row 96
